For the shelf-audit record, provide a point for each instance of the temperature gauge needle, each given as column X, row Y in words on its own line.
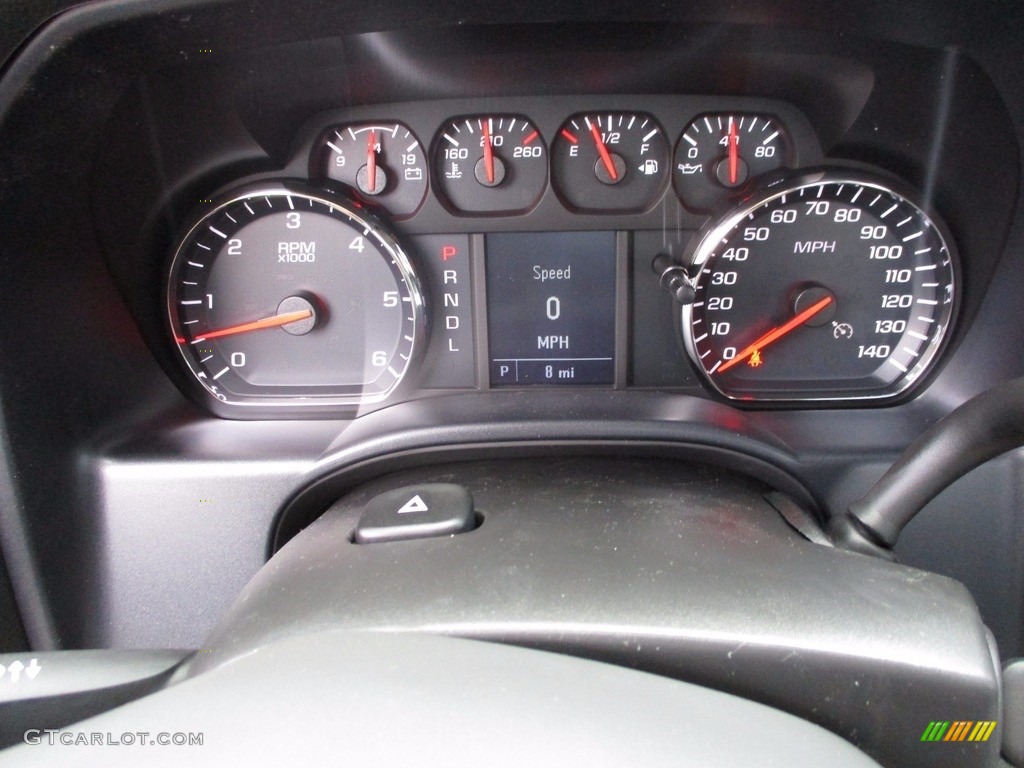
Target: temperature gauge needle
column 606, row 158
column 776, row 333
column 734, row 152
column 488, row 152
column 267, row 322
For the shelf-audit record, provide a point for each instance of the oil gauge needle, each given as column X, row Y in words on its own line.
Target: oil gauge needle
column 267, row 322
column 606, row 158
column 776, row 333
column 734, row 152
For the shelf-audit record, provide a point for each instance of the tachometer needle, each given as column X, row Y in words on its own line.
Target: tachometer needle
column 776, row 333
column 267, row 322
column 606, row 158
column 488, row 152
column 371, row 162
column 734, row 152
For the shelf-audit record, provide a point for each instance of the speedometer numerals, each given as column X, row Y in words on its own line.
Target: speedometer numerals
column 832, row 286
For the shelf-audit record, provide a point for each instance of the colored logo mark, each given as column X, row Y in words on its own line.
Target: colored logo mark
column 958, row 730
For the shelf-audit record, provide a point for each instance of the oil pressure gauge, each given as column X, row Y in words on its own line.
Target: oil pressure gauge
column 719, row 154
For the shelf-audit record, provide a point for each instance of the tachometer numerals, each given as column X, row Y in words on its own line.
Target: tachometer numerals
column 490, row 164
column 614, row 162
column 282, row 296
column 830, row 287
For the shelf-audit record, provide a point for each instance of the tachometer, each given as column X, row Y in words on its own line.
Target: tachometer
column 831, row 286
column 282, row 295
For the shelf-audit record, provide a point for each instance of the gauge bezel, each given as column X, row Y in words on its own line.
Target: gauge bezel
column 724, row 194
column 571, row 192
column 703, row 245
column 319, row 162
column 306, row 404
column 444, row 189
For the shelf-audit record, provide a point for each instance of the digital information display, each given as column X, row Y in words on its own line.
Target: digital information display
column 551, row 308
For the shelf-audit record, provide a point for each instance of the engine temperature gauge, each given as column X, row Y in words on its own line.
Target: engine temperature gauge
column 719, row 153
column 490, row 164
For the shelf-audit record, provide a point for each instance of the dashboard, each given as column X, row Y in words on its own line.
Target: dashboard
column 266, row 261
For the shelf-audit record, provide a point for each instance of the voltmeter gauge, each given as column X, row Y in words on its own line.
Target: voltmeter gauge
column 718, row 156
column 613, row 162
column 490, row 164
column 383, row 163
column 281, row 296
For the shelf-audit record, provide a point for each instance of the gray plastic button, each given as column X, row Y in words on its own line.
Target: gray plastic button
column 416, row 512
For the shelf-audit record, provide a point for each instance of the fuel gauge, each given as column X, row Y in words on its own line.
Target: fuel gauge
column 719, row 153
column 383, row 162
column 613, row 162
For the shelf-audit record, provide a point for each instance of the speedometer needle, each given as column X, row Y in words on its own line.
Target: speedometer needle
column 267, row 322
column 776, row 333
column 606, row 158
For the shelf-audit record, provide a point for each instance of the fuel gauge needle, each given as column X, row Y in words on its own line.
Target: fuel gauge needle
column 268, row 322
column 606, row 158
column 776, row 333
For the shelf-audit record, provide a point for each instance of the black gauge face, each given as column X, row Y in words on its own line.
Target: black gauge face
column 383, row 162
column 281, row 296
column 490, row 164
column 719, row 154
column 614, row 162
column 829, row 287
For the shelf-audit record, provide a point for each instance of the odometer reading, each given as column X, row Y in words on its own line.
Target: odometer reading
column 830, row 287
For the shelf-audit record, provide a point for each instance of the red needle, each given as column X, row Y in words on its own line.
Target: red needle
column 734, row 141
column 603, row 151
column 776, row 333
column 488, row 152
column 267, row 322
column 371, row 162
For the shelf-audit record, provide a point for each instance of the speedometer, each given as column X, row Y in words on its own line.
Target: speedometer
column 832, row 286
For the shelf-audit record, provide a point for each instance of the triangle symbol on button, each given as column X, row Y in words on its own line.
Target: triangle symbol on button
column 415, row 504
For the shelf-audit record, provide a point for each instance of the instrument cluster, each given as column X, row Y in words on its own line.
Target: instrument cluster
column 504, row 253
